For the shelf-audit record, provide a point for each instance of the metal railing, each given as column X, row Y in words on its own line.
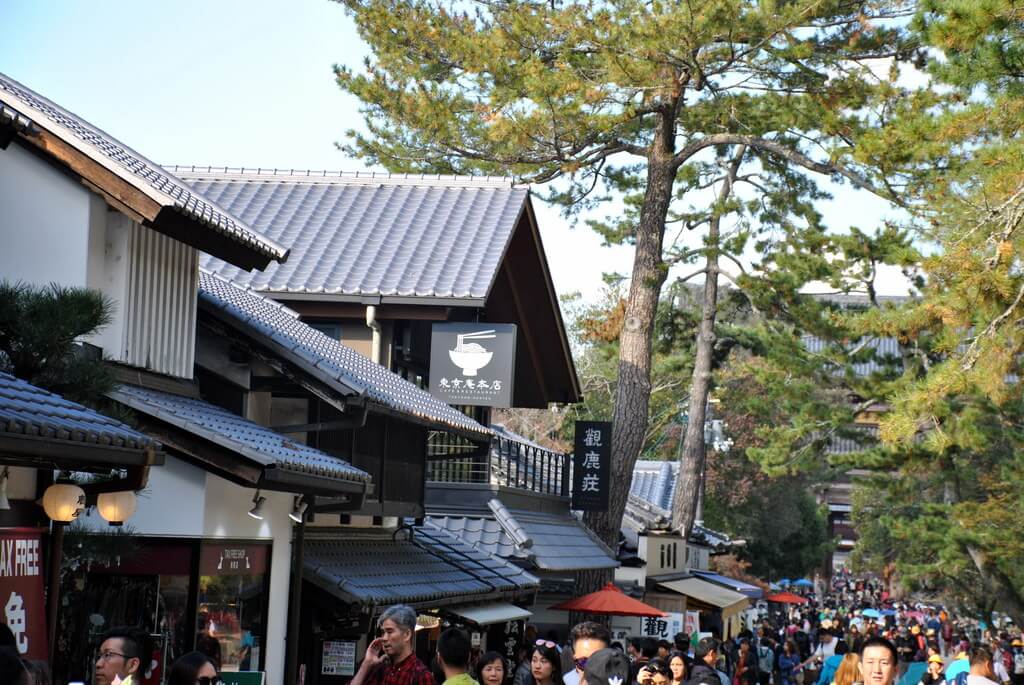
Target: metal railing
column 509, row 463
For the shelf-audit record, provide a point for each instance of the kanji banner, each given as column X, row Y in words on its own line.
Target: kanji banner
column 591, row 466
column 22, row 602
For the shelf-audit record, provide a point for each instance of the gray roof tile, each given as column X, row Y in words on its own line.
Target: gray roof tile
column 147, row 176
column 554, row 542
column 27, row 410
column 367, row 235
column 481, row 532
column 250, row 440
column 433, row 568
column 327, row 359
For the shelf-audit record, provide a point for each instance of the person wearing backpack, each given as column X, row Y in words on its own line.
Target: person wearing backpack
column 1017, row 675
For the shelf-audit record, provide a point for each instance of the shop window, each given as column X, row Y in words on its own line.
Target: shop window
column 231, row 610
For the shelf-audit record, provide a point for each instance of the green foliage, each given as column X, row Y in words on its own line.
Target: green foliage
column 38, row 331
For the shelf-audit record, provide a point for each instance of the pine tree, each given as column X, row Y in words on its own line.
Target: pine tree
column 636, row 100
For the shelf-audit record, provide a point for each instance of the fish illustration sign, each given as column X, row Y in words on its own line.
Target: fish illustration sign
column 473, row 363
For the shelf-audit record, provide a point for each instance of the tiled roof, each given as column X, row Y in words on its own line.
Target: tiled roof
column 325, row 358
column 434, row 568
column 151, row 179
column 230, row 431
column 27, row 410
column 482, row 532
column 886, row 354
column 365, row 235
column 554, row 542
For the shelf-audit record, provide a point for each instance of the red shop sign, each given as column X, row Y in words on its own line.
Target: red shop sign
column 22, row 603
column 233, row 560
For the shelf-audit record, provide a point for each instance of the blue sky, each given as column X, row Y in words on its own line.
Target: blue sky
column 225, row 82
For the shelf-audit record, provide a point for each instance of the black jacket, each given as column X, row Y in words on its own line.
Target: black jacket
column 702, row 674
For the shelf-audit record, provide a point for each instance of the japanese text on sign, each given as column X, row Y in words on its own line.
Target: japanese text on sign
column 21, row 591
column 591, row 466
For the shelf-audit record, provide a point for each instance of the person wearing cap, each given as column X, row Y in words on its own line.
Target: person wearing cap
column 933, row 673
column 1017, row 647
column 606, row 667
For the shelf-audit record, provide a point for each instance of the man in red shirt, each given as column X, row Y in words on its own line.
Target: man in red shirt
column 390, row 659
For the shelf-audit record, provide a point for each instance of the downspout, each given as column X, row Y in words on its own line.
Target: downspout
column 374, row 325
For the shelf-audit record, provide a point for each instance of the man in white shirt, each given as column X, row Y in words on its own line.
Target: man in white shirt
column 878, row 662
column 981, row 672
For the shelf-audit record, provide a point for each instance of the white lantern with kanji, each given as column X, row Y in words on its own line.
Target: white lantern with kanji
column 63, row 502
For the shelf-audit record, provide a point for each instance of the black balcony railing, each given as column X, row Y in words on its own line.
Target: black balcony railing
column 510, row 463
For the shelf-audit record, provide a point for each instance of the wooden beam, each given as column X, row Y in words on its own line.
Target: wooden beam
column 526, row 331
column 99, row 176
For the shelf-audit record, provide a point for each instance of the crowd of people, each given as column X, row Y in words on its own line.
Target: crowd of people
column 852, row 637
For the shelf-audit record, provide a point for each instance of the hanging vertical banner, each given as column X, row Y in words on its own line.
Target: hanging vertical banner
column 591, row 466
column 22, row 605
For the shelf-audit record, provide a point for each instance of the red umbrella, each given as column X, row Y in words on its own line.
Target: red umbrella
column 609, row 600
column 786, row 598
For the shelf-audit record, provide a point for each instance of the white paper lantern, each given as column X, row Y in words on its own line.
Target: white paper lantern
column 116, row 507
column 63, row 502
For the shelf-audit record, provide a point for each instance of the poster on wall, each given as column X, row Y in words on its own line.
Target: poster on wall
column 22, row 601
column 473, row 363
column 338, row 658
column 692, row 624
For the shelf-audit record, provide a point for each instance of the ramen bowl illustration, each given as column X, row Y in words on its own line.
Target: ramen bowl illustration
column 471, row 356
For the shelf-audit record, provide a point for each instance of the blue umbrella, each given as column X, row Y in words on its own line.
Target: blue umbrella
column 956, row 668
column 888, row 612
column 871, row 613
column 803, row 582
column 774, row 586
column 784, row 581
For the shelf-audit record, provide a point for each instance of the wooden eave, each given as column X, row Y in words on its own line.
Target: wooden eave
column 137, row 201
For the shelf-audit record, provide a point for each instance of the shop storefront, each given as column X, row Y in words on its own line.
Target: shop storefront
column 209, row 595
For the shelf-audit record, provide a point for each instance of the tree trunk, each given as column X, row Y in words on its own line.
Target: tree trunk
column 691, row 461
column 633, row 393
column 1003, row 590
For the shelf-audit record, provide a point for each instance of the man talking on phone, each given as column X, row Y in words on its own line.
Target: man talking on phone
column 389, row 659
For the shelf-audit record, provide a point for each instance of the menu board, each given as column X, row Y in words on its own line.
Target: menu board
column 338, row 658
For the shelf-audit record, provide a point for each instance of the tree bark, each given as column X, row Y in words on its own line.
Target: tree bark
column 632, row 395
column 694, row 453
column 1002, row 588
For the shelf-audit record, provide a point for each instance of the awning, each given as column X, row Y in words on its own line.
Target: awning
column 430, row 569
column 746, row 589
column 487, row 614
column 714, row 596
column 237, row 448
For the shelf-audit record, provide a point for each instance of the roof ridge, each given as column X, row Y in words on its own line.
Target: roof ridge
column 326, row 176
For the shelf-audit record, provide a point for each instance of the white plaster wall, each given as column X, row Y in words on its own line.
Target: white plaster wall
column 172, row 505
column 226, row 517
column 44, row 222
column 109, row 259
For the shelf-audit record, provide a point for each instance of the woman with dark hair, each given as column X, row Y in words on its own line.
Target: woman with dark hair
column 545, row 663
column 789, row 663
column 677, row 664
column 656, row 672
column 194, row 668
column 490, row 669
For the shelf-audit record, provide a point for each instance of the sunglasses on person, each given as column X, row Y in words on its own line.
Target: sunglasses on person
column 546, row 643
column 580, row 663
